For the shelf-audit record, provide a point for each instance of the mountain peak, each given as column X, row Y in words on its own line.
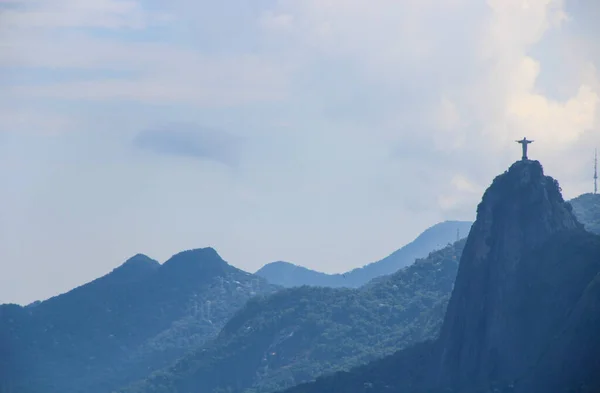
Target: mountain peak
column 277, row 264
column 135, row 266
column 199, row 260
column 206, row 254
column 525, row 200
column 140, row 260
column 519, row 212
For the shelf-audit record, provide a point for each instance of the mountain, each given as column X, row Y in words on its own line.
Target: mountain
column 523, row 315
column 522, row 270
column 119, row 328
column 297, row 334
column 587, row 209
column 289, row 275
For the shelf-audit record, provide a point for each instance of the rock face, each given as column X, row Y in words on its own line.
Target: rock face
column 488, row 332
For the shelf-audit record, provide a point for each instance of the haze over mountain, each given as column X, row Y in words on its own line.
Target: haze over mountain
column 587, row 209
column 523, row 313
column 144, row 317
column 297, row 334
column 122, row 326
column 434, row 238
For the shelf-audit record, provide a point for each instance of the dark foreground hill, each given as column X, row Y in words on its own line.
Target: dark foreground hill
column 121, row 327
column 523, row 316
column 297, row 334
column 438, row 236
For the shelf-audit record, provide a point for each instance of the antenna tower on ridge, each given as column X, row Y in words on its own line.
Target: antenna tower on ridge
column 596, row 171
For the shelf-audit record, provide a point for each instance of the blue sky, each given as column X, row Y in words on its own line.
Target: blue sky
column 326, row 133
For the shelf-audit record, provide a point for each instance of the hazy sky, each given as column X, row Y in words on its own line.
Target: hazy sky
column 323, row 132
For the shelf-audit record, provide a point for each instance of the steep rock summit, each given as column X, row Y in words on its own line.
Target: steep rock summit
column 500, row 309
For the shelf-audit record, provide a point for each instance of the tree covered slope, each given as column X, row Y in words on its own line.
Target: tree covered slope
column 121, row 327
column 297, row 334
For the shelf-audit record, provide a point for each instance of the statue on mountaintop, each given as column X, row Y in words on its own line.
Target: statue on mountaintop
column 524, row 142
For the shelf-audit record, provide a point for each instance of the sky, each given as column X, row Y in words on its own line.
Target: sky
column 327, row 133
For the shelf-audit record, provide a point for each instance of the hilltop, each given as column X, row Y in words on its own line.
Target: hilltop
column 138, row 318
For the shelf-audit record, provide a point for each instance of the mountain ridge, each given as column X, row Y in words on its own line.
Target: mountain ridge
column 433, row 238
column 297, row 333
column 122, row 325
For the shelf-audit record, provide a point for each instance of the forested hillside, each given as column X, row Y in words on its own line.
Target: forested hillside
column 298, row 334
column 121, row 327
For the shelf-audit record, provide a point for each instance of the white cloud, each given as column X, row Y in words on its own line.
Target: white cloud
column 461, row 196
column 214, row 82
column 150, row 72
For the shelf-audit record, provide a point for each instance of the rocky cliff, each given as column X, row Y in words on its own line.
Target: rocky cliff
column 489, row 333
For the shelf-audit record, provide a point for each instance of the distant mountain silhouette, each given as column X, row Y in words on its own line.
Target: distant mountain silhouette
column 587, row 209
column 523, row 316
column 438, row 236
column 289, row 275
column 122, row 326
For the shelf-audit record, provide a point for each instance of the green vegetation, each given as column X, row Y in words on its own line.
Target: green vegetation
column 121, row 327
column 551, row 308
column 297, row 334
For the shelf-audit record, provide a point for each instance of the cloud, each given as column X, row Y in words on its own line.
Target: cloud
column 191, row 141
column 366, row 121
column 462, row 74
column 70, row 36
